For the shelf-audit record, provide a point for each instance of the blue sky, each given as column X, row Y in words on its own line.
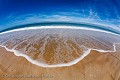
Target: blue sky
column 17, row 12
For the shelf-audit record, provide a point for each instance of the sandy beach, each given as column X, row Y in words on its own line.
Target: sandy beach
column 96, row 66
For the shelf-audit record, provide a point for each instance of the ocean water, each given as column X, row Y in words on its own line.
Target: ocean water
column 64, row 30
column 57, row 46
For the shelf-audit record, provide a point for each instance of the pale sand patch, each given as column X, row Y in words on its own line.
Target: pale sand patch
column 96, row 66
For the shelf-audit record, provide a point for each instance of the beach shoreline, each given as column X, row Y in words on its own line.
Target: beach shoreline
column 94, row 66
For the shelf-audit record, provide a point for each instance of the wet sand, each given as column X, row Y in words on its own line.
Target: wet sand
column 96, row 66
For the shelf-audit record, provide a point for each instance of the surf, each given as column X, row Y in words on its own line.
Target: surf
column 55, row 30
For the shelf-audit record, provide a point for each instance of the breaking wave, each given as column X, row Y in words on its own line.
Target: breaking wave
column 57, row 46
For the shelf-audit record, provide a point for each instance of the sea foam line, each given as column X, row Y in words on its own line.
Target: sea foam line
column 57, row 27
column 18, row 53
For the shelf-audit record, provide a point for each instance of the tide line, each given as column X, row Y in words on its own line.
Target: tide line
column 57, row 27
column 18, row 53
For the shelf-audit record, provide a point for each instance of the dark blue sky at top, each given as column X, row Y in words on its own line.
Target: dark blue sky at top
column 21, row 7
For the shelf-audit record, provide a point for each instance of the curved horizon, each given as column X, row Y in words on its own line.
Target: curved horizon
column 72, row 24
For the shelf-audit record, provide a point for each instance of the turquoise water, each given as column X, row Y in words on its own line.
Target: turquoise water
column 86, row 25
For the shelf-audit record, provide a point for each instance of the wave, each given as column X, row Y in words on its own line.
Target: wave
column 88, row 39
column 67, row 24
column 18, row 53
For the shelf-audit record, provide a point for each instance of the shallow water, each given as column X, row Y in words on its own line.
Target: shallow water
column 57, row 46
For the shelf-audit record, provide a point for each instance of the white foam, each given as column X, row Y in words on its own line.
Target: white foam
column 57, row 27
column 100, row 50
column 18, row 53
